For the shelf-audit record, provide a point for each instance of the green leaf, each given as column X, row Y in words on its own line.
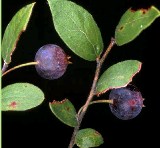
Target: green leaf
column 132, row 23
column 118, row 75
column 13, row 31
column 77, row 29
column 21, row 97
column 88, row 137
column 64, row 111
column 59, row 0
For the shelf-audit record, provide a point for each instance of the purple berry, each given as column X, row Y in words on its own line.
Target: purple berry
column 52, row 61
column 127, row 102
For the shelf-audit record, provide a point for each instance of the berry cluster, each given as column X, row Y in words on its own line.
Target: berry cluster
column 52, row 64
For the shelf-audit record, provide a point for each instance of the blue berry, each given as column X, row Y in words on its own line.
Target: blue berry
column 52, row 61
column 127, row 102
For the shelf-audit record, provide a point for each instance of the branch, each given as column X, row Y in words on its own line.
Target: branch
column 95, row 102
column 92, row 92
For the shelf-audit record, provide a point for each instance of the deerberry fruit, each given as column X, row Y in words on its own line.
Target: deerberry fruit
column 52, row 61
column 127, row 102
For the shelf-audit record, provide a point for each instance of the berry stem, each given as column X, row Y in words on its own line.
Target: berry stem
column 95, row 102
column 92, row 91
column 19, row 66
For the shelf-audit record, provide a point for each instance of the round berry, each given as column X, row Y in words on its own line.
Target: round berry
column 52, row 61
column 127, row 102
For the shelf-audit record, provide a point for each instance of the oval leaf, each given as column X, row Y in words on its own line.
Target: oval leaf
column 118, row 75
column 13, row 31
column 21, row 97
column 77, row 29
column 64, row 111
column 132, row 23
column 88, row 137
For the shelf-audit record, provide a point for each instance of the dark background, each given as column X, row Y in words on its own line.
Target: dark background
column 39, row 127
